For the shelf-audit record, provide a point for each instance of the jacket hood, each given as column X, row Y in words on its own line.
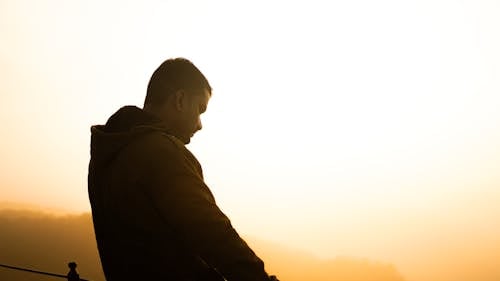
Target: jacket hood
column 125, row 125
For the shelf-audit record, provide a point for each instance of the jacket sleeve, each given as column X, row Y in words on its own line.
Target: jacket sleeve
column 180, row 195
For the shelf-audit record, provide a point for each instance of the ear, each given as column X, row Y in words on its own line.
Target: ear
column 180, row 100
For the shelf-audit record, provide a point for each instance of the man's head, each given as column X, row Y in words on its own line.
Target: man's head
column 178, row 93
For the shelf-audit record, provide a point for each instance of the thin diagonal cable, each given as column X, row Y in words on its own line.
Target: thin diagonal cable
column 37, row 272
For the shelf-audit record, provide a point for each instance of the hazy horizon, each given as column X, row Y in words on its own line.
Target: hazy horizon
column 480, row 258
column 30, row 234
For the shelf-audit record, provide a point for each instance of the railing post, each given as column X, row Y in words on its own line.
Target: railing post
column 72, row 274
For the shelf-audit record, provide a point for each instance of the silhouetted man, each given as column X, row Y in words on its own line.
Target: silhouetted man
column 154, row 217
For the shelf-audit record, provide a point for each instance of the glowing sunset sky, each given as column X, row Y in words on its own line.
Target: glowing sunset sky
column 344, row 128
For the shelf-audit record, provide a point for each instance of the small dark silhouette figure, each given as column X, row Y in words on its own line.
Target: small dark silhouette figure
column 72, row 274
column 154, row 216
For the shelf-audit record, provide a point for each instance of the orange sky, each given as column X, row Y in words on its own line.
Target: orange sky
column 360, row 128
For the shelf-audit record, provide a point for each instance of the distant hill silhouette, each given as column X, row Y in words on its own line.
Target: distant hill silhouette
column 294, row 265
column 47, row 242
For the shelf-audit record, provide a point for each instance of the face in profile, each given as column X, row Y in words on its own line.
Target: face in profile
column 191, row 106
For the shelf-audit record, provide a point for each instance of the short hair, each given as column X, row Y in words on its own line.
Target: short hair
column 173, row 75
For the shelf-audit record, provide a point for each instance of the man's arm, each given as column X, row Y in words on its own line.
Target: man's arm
column 185, row 202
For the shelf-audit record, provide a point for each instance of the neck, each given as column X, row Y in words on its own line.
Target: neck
column 164, row 116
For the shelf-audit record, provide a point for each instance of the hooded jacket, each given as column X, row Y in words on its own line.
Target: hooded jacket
column 154, row 217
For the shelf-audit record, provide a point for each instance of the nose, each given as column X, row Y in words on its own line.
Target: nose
column 199, row 126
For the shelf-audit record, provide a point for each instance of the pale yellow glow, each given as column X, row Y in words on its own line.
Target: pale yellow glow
column 351, row 128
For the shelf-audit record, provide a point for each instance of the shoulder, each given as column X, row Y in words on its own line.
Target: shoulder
column 164, row 151
column 157, row 143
